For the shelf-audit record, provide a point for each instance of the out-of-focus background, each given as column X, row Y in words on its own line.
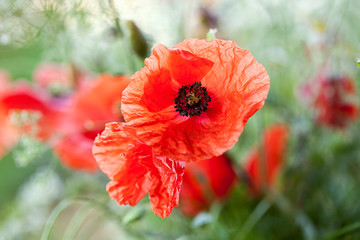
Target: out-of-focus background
column 294, row 173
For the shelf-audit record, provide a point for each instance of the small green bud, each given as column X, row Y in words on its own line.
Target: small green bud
column 138, row 41
column 211, row 34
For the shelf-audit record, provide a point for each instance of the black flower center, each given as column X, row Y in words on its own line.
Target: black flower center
column 192, row 100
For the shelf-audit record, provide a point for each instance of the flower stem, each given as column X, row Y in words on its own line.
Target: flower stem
column 343, row 231
column 77, row 220
column 301, row 219
column 254, row 217
column 53, row 216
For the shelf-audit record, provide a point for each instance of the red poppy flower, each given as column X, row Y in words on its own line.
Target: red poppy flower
column 17, row 98
column 335, row 101
column 204, row 182
column 135, row 170
column 191, row 102
column 95, row 104
column 272, row 151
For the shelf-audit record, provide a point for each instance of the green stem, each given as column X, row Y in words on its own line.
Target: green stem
column 342, row 231
column 77, row 220
column 301, row 219
column 53, row 216
column 94, row 227
column 254, row 217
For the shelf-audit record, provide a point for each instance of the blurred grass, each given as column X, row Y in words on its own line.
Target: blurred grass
column 11, row 178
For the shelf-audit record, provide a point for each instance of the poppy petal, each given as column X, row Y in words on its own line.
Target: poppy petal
column 117, row 156
column 205, row 181
column 274, row 143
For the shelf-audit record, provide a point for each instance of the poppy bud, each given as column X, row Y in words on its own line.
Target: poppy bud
column 138, row 41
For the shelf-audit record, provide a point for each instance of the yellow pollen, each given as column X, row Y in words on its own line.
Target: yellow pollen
column 192, row 99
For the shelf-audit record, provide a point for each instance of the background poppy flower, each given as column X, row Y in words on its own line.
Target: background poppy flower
column 134, row 170
column 273, row 150
column 89, row 109
column 22, row 96
column 204, row 182
column 191, row 102
column 335, row 101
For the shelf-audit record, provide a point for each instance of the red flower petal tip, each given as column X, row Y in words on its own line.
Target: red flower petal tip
column 272, row 151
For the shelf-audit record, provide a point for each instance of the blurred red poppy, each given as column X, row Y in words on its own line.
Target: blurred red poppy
column 191, row 102
column 134, row 170
column 264, row 162
column 204, row 182
column 335, row 101
column 96, row 103
column 19, row 97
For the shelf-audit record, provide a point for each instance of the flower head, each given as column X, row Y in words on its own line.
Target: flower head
column 23, row 97
column 271, row 154
column 135, row 170
column 191, row 102
column 335, row 101
column 204, row 182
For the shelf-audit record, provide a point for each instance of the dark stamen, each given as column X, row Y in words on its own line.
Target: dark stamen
column 192, row 100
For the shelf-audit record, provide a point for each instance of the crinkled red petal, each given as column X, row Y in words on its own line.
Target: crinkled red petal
column 167, row 179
